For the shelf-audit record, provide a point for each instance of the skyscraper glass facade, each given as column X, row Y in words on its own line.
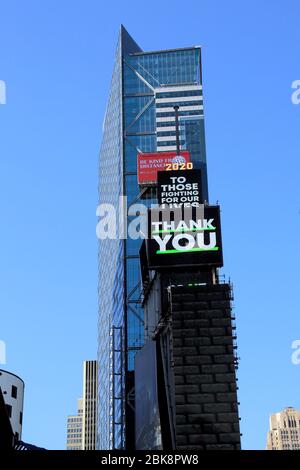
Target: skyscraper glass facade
column 139, row 118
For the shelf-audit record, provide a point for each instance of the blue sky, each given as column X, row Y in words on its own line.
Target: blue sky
column 56, row 59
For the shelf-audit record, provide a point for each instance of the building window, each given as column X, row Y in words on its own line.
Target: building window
column 14, row 391
column 9, row 410
column 21, row 417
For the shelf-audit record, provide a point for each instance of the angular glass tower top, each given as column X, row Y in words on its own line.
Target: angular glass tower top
column 139, row 118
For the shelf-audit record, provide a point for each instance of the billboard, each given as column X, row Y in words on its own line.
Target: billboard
column 184, row 237
column 150, row 163
column 179, row 188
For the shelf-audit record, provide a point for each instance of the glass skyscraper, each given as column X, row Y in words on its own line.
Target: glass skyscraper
column 140, row 117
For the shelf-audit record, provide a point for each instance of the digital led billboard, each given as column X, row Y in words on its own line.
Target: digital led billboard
column 148, row 164
column 179, row 188
column 184, row 237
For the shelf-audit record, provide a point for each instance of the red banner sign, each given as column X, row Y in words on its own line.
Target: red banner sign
column 150, row 163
